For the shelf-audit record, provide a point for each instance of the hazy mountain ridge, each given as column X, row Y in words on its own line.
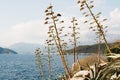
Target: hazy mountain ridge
column 7, row 51
column 115, row 48
column 29, row 48
column 26, row 48
column 88, row 48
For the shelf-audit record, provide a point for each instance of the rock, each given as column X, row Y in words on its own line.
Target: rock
column 81, row 75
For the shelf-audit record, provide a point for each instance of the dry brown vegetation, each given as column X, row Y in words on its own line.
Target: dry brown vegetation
column 90, row 60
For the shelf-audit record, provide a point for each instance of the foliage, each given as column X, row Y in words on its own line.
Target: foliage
column 109, row 70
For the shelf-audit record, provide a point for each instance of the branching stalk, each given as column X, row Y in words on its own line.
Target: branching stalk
column 98, row 25
column 49, row 64
column 58, row 41
column 75, row 41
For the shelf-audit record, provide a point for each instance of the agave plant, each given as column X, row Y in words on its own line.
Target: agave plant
column 96, row 24
column 99, row 41
column 49, row 60
column 109, row 70
column 40, row 64
column 74, row 34
column 53, row 19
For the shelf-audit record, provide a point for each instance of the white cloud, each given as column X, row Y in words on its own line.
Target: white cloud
column 36, row 32
column 32, row 31
column 114, row 25
column 115, row 17
column 114, row 22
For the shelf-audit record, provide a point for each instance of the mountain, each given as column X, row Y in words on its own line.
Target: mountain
column 6, row 51
column 29, row 48
column 26, row 48
column 88, row 48
column 114, row 47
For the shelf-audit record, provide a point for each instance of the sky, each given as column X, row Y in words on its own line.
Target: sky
column 23, row 20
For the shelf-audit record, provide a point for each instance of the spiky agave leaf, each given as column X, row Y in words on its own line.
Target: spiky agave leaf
column 109, row 70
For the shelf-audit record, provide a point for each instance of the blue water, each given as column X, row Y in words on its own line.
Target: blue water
column 24, row 67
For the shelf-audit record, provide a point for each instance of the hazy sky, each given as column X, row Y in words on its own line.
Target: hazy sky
column 22, row 20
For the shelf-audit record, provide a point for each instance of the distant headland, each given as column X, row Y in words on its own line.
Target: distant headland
column 7, row 51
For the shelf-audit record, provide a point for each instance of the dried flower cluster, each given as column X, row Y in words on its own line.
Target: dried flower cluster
column 53, row 20
column 40, row 63
column 75, row 36
column 94, row 22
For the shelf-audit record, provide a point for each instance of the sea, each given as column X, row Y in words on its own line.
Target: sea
column 24, row 66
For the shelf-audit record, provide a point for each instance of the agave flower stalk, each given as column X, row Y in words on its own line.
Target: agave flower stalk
column 99, row 48
column 49, row 62
column 64, row 44
column 98, row 40
column 54, row 19
column 83, row 5
column 40, row 64
column 75, row 38
column 74, row 24
column 53, row 36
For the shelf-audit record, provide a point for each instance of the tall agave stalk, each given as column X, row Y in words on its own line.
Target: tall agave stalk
column 84, row 4
column 75, row 38
column 49, row 61
column 64, row 45
column 98, row 40
column 40, row 64
column 99, row 48
column 54, row 19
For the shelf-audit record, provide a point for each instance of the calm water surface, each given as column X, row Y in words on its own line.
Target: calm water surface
column 23, row 67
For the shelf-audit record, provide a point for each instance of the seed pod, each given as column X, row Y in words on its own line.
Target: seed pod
column 49, row 7
column 46, row 22
column 83, row 1
column 46, row 11
column 53, row 17
column 91, row 6
column 81, row 8
column 78, row 2
column 46, row 18
column 58, row 14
